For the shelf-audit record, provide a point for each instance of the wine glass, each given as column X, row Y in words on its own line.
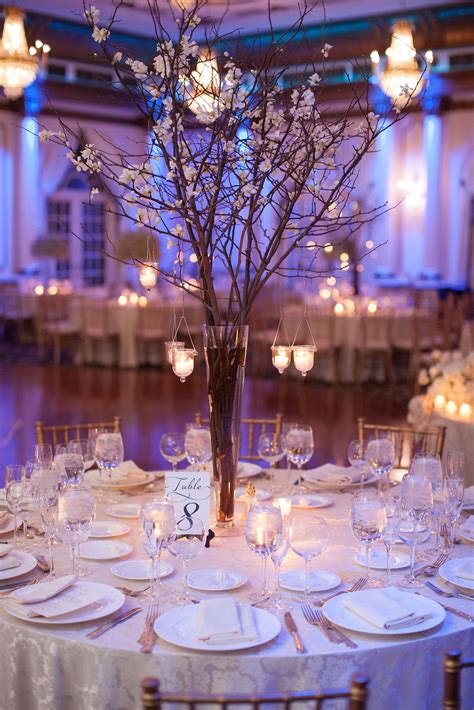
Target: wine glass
column 455, row 464
column 47, row 492
column 453, row 504
column 157, row 529
column 285, row 428
column 44, row 453
column 415, row 519
column 263, row 532
column 300, row 447
column 28, row 508
column 83, row 447
column 390, row 532
column 108, row 452
column 309, row 538
column 380, row 455
column 277, row 557
column 357, row 458
column 14, row 482
column 70, row 465
column 429, row 466
column 367, row 520
column 197, row 445
column 271, row 448
column 76, row 513
column 172, row 448
column 187, row 545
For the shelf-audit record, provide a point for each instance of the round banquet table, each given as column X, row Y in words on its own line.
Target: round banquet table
column 58, row 668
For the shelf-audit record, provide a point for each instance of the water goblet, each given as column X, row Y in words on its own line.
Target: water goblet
column 367, row 521
column 357, row 458
column 300, row 447
column 47, row 492
column 277, row 556
column 44, row 453
column 286, row 427
column 70, row 466
column 197, row 445
column 82, row 447
column 187, row 544
column 455, row 464
column 108, row 453
column 453, row 504
column 263, row 532
column 172, row 448
column 429, row 466
column 380, row 455
column 271, row 448
column 414, row 520
column 157, row 530
column 28, row 508
column 76, row 513
column 390, row 532
column 309, row 537
column 14, row 482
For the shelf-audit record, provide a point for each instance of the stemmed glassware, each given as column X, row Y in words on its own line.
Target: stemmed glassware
column 108, row 452
column 172, row 448
column 70, row 464
column 453, row 492
column 300, row 447
column 277, row 556
column 44, row 454
column 197, row 445
column 380, row 455
column 83, row 447
column 76, row 513
column 14, row 483
column 286, row 427
column 415, row 520
column 271, row 448
column 368, row 519
column 187, row 545
column 390, row 532
column 309, row 537
column 28, row 508
column 429, row 466
column 263, row 533
column 357, row 458
column 47, row 491
column 157, row 529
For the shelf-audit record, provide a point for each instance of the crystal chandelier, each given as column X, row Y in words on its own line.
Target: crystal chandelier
column 19, row 64
column 401, row 79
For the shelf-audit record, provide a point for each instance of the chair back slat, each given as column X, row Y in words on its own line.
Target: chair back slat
column 356, row 695
column 62, row 433
column 408, row 440
column 250, row 431
column 453, row 665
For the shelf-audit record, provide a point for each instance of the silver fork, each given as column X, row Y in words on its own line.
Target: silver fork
column 452, row 593
column 356, row 587
column 39, row 576
column 432, row 569
column 132, row 592
column 333, row 633
column 150, row 619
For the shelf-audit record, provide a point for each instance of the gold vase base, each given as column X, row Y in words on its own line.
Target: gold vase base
column 232, row 529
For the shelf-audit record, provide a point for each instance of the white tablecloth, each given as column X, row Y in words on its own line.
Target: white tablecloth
column 59, row 669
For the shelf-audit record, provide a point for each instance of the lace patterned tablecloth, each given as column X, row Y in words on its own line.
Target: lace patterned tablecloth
column 45, row 668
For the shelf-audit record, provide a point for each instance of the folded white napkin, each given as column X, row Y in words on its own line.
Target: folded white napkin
column 336, row 475
column 9, row 562
column 466, row 570
column 385, row 608
column 222, row 621
column 469, row 496
column 5, row 549
column 42, row 592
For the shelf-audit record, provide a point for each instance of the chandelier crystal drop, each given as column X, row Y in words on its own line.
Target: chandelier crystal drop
column 19, row 65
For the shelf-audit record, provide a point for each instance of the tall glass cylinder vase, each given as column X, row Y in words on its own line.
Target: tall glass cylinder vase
column 226, row 350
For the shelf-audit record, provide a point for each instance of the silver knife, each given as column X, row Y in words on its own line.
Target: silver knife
column 113, row 622
column 291, row 626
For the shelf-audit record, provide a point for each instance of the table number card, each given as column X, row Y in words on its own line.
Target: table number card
column 190, row 493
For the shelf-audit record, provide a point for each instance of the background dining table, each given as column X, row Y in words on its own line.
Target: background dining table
column 58, row 668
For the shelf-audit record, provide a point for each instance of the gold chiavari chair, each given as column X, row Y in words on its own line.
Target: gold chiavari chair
column 250, row 430
column 62, row 433
column 453, row 666
column 408, row 440
column 356, row 696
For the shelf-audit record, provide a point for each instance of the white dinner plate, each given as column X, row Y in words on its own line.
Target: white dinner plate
column 175, row 626
column 121, row 481
column 248, row 470
column 338, row 614
column 28, row 562
column 209, row 580
column 111, row 600
column 467, row 535
column 9, row 525
column 101, row 550
column 320, row 580
column 311, row 483
column 124, row 510
column 448, row 573
column 109, row 528
column 308, row 501
column 378, row 559
column 139, row 570
column 260, row 494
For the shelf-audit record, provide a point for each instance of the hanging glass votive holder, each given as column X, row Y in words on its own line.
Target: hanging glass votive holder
column 171, row 345
column 281, row 357
column 183, row 362
column 148, row 276
column 303, row 357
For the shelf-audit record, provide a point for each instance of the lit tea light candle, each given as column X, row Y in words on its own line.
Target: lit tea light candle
column 372, row 307
column 52, row 290
column 281, row 357
column 439, row 402
column 133, row 298
column 339, row 309
column 450, row 408
column 39, row 290
column 303, row 356
column 183, row 362
column 142, row 301
column 171, row 345
column 465, row 411
column 148, row 276
column 122, row 300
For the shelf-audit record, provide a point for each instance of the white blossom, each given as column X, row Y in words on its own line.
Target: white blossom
column 326, row 49
column 177, row 231
column 314, row 79
column 139, row 68
column 100, row 35
column 45, row 135
column 117, row 57
column 92, row 15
